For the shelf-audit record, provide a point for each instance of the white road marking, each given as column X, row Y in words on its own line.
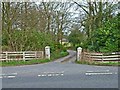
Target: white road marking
column 10, row 76
column 39, row 75
column 49, row 74
column 62, row 74
column 98, row 73
column 43, row 75
column 7, row 77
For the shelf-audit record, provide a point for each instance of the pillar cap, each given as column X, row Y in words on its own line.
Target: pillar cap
column 79, row 48
column 47, row 47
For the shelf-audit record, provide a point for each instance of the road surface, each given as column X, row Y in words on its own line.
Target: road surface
column 62, row 73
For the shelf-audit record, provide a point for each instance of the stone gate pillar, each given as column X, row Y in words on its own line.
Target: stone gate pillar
column 47, row 52
column 79, row 53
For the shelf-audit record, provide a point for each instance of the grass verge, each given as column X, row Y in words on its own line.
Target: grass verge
column 54, row 55
column 21, row 62
column 57, row 54
column 110, row 63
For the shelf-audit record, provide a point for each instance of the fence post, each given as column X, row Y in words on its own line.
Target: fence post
column 6, row 56
column 42, row 54
column 24, row 56
column 79, row 53
column 36, row 54
column 47, row 52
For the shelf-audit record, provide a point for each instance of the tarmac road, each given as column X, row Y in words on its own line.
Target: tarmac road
column 60, row 74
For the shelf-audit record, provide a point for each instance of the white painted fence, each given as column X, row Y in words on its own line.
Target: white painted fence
column 25, row 55
column 101, row 56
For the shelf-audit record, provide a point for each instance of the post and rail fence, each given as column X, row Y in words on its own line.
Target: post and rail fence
column 25, row 55
column 22, row 55
column 104, row 57
column 115, row 56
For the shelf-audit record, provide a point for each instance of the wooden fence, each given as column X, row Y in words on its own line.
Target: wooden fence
column 25, row 55
column 101, row 56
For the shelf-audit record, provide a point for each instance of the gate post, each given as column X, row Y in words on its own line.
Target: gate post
column 79, row 53
column 47, row 52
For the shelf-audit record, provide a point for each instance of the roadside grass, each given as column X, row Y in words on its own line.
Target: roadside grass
column 21, row 62
column 54, row 55
column 110, row 63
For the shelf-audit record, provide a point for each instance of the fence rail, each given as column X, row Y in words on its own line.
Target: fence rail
column 101, row 56
column 25, row 55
